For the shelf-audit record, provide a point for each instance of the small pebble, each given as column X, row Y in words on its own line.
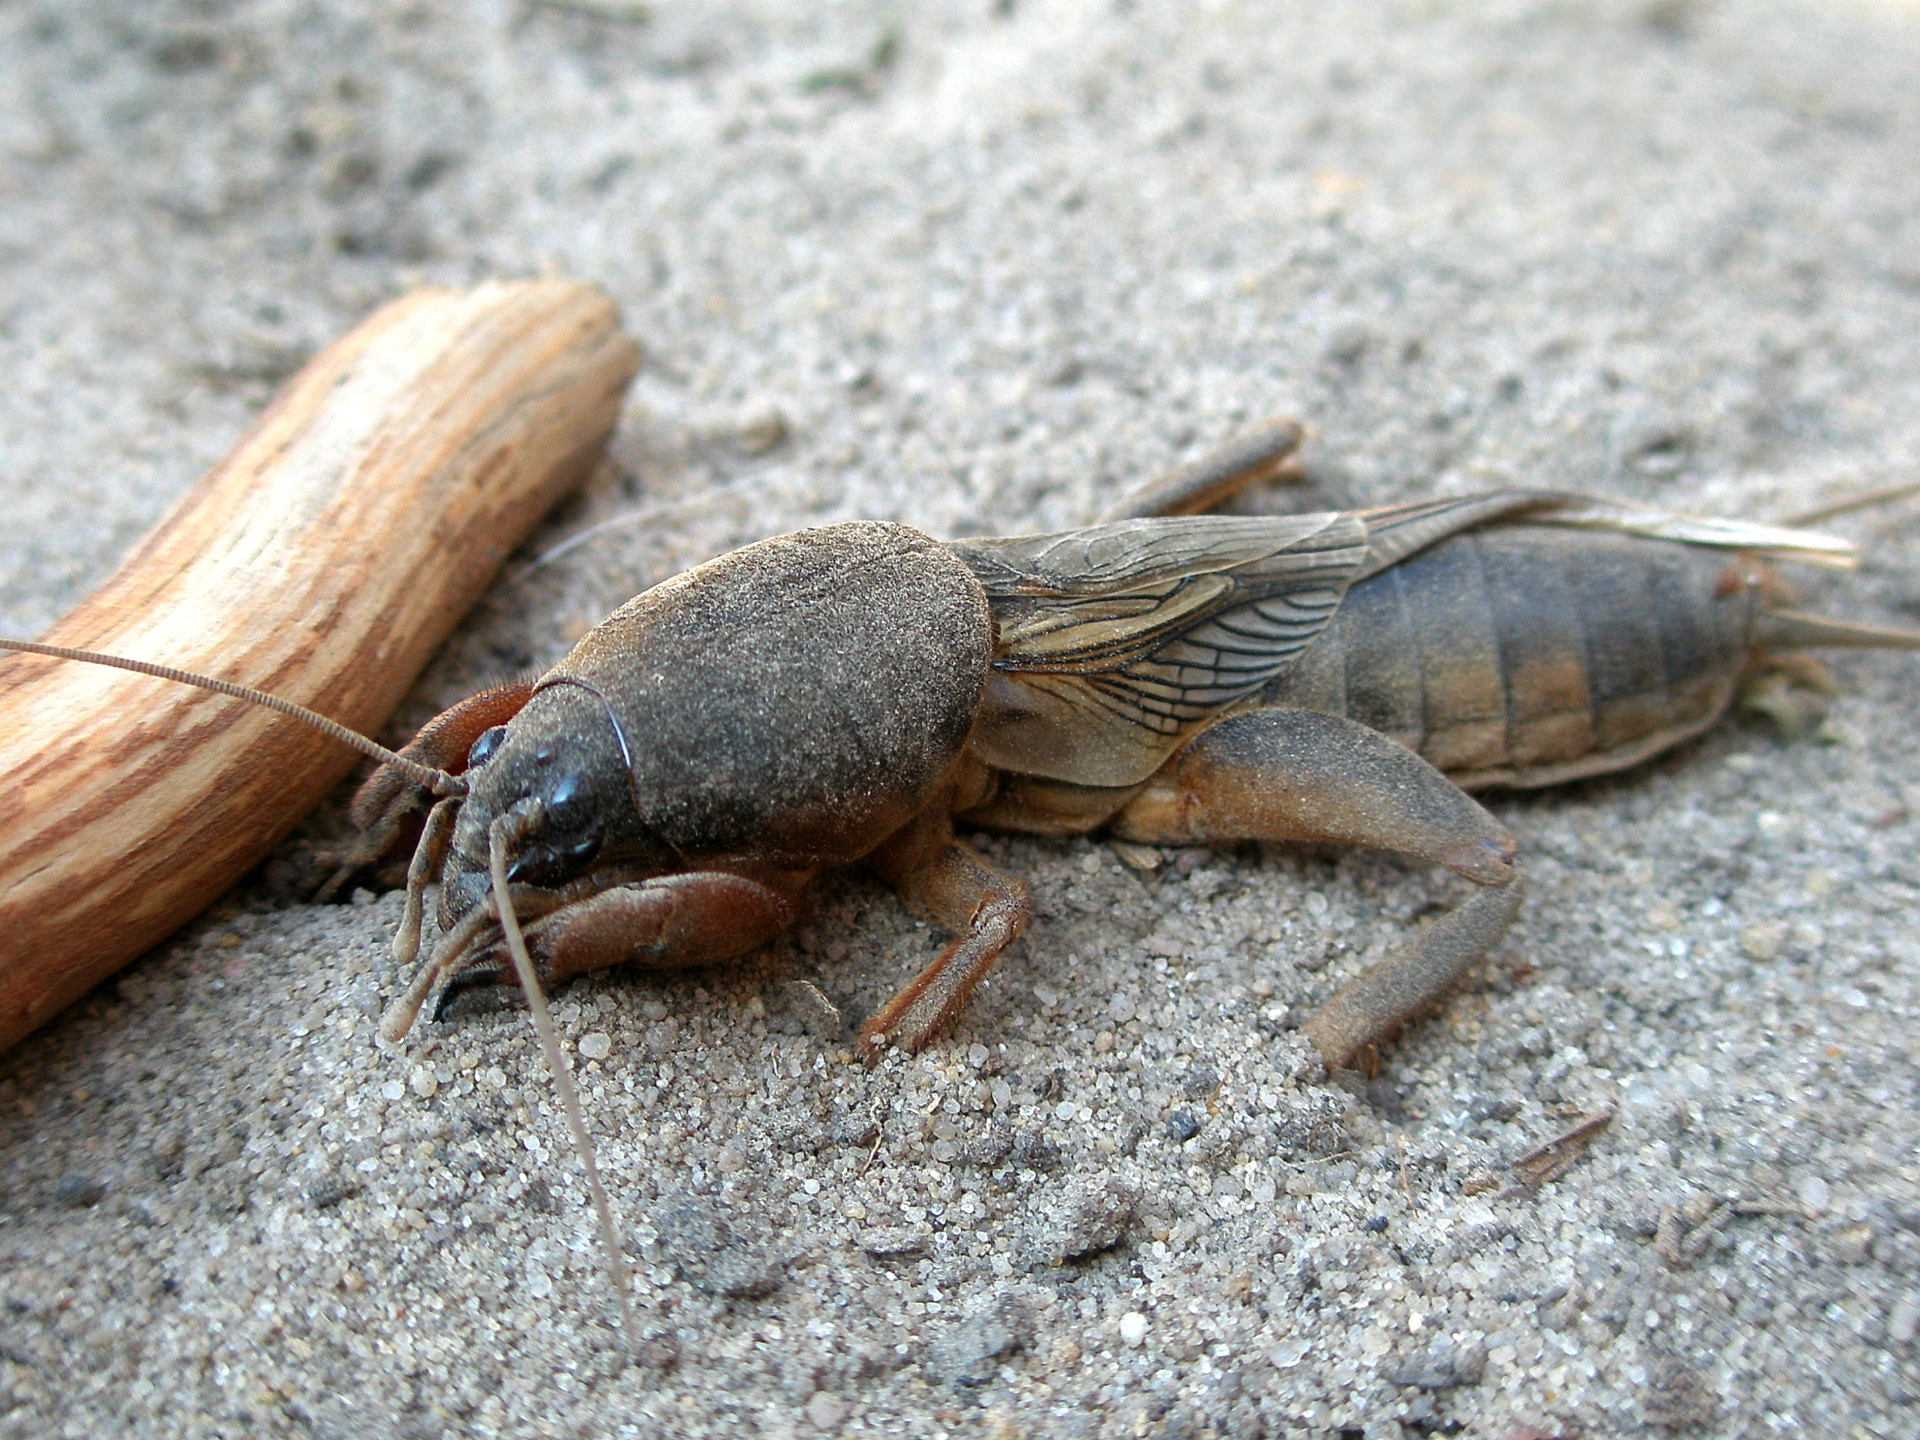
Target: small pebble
column 595, row 1046
column 1033, row 1150
column 1851, row 1245
column 328, row 1191
column 1136, row 857
column 78, row 1192
column 423, row 1082
column 1887, row 815
column 1201, row 1082
column 1133, row 1328
column 1095, row 1217
column 761, row 429
column 1288, row 1353
column 708, row 1255
column 827, row 1410
column 1479, row 1181
column 1903, row 1320
column 893, row 1241
column 968, row 1355
column 1444, row 1367
column 1814, row 1192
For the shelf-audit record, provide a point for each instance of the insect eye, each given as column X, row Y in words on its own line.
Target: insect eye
column 484, row 747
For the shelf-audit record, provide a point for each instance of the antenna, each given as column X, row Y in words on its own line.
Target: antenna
column 438, row 781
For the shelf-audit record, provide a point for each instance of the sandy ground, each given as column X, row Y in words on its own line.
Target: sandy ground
column 978, row 266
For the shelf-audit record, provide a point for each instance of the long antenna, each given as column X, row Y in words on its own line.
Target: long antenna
column 501, row 835
column 438, row 781
column 1846, row 505
column 639, row 517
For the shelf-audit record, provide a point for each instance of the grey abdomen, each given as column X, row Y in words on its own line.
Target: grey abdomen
column 1528, row 655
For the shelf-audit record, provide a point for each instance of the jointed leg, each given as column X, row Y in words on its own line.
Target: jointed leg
column 1301, row 775
column 983, row 908
column 691, row 919
column 1381, row 999
column 677, row 920
column 383, row 805
column 428, row 856
column 1264, row 452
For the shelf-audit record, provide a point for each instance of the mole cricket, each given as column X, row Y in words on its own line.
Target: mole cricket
column 664, row 794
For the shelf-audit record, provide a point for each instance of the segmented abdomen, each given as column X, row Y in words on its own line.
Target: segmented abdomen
column 1528, row 655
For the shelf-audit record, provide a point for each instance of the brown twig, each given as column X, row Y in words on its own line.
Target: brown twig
column 1553, row 1159
column 324, row 559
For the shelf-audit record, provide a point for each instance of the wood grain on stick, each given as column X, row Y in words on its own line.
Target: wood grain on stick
column 323, row 560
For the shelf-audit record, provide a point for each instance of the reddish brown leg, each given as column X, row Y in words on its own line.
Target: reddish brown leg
column 983, row 908
column 1299, row 775
column 691, row 919
column 382, row 806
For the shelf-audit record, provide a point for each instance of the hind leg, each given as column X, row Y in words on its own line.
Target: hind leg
column 1264, row 452
column 1300, row 775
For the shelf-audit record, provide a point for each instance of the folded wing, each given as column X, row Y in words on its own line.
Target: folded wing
column 1115, row 643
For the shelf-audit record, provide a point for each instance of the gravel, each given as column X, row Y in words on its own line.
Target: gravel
column 977, row 266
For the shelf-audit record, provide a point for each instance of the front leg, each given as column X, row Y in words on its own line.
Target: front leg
column 384, row 806
column 1301, row 775
column 667, row 923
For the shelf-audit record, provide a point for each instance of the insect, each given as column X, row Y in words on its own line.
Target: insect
column 844, row 695
column 664, row 793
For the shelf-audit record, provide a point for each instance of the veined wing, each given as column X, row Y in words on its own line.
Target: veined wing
column 1116, row 641
column 1396, row 531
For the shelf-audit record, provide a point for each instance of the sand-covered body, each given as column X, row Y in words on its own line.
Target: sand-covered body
column 665, row 793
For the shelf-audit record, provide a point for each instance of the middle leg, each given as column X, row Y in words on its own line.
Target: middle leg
column 982, row 908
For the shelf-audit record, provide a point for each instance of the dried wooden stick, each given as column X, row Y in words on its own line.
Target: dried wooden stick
column 323, row 560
